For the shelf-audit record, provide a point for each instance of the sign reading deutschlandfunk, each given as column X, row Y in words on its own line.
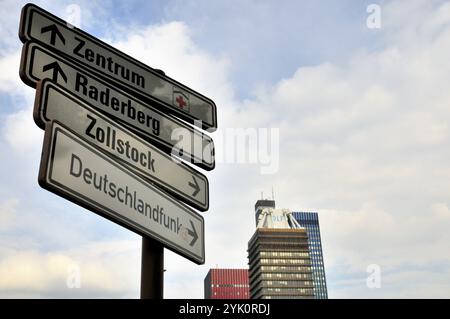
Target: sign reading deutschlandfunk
column 54, row 103
column 74, row 169
column 166, row 131
column 41, row 26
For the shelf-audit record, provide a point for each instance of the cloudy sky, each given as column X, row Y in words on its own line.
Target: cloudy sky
column 362, row 116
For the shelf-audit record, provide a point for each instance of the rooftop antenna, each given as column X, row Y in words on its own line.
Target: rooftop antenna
column 273, row 196
column 262, row 195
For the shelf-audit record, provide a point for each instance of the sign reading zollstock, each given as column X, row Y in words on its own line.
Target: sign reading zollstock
column 54, row 103
column 77, row 171
column 41, row 26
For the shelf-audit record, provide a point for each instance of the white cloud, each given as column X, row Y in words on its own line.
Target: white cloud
column 7, row 213
column 21, row 133
column 441, row 210
column 360, row 142
column 9, row 77
column 169, row 47
column 18, row 128
column 30, row 269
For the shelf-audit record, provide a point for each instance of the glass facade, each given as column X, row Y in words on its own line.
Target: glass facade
column 279, row 264
column 310, row 221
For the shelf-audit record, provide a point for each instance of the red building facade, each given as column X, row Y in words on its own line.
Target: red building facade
column 227, row 284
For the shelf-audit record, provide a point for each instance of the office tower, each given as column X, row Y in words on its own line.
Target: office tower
column 227, row 284
column 310, row 221
column 279, row 262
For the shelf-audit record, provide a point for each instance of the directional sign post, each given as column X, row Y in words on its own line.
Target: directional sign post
column 168, row 132
column 115, row 131
column 74, row 169
column 41, row 26
column 55, row 103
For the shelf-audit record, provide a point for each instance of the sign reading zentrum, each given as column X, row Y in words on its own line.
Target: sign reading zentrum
column 55, row 103
column 132, row 75
column 76, row 170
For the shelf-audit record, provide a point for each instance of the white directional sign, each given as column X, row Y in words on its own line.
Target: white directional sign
column 55, row 103
column 166, row 131
column 74, row 169
column 41, row 26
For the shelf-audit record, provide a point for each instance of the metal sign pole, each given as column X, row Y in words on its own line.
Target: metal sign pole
column 152, row 269
column 82, row 145
column 152, row 265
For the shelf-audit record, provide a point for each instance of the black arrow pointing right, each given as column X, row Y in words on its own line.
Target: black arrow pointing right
column 54, row 31
column 193, row 233
column 56, row 69
column 195, row 186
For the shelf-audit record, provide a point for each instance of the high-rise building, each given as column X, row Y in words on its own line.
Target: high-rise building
column 310, row 221
column 227, row 284
column 279, row 261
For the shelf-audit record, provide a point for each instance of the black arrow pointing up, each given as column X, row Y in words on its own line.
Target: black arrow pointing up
column 194, row 186
column 56, row 69
column 193, row 233
column 54, row 31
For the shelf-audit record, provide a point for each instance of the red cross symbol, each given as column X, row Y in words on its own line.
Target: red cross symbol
column 181, row 102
